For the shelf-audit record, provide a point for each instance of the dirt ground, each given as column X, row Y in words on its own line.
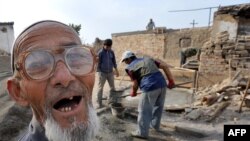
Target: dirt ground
column 14, row 119
column 197, row 130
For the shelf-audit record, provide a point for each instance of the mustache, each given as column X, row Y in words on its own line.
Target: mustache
column 73, row 87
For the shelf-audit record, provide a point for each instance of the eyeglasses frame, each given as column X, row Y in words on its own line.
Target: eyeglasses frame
column 19, row 65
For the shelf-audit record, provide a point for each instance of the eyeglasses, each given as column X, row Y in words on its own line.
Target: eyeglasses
column 40, row 64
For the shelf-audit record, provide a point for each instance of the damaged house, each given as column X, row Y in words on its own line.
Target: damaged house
column 228, row 49
column 225, row 46
column 6, row 36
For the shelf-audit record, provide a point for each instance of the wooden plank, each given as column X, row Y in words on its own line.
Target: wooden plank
column 218, row 111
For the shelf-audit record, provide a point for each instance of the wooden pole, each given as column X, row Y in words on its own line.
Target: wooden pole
column 122, row 78
column 244, row 96
column 197, row 81
column 230, row 70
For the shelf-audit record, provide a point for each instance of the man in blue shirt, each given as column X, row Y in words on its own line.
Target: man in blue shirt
column 145, row 74
column 106, row 64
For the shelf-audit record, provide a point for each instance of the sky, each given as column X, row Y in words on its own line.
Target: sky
column 102, row 18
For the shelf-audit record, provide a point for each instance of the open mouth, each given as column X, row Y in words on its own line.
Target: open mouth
column 67, row 104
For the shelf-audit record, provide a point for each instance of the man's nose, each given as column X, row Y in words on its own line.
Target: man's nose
column 61, row 76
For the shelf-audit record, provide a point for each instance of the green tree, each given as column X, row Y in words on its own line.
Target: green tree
column 76, row 27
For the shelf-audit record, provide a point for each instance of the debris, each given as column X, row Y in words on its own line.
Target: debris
column 195, row 114
column 247, row 101
column 185, row 130
column 213, row 114
column 210, row 99
column 102, row 110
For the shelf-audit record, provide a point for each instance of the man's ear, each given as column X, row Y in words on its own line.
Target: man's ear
column 14, row 91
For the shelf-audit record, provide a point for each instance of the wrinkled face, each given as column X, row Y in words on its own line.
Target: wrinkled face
column 63, row 96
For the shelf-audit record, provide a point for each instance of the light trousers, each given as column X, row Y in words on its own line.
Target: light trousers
column 150, row 110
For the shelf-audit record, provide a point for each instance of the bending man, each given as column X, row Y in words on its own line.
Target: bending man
column 145, row 74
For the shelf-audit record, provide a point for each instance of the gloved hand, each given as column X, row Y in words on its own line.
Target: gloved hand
column 171, row 83
column 133, row 93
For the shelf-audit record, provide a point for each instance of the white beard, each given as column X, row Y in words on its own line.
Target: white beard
column 77, row 132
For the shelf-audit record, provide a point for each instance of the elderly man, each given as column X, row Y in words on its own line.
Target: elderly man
column 145, row 74
column 54, row 75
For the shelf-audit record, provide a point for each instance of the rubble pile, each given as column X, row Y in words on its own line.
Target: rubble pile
column 212, row 100
column 223, row 91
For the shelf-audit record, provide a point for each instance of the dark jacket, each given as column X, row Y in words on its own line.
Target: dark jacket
column 35, row 133
column 106, row 61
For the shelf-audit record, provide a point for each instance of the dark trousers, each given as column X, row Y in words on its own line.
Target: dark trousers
column 183, row 58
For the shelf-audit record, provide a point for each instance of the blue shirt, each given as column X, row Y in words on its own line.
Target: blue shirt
column 106, row 61
column 146, row 72
column 152, row 82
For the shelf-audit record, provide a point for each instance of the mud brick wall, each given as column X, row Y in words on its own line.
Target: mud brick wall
column 145, row 42
column 225, row 22
column 191, row 37
column 213, row 64
column 222, row 57
column 165, row 44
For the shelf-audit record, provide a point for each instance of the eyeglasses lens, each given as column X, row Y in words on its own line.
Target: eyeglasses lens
column 79, row 61
column 40, row 64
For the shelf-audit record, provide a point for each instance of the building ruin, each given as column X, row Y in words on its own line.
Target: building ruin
column 225, row 46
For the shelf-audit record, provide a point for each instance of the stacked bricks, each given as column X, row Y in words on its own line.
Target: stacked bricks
column 221, row 54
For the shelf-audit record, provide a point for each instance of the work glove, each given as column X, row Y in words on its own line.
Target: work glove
column 133, row 93
column 171, row 83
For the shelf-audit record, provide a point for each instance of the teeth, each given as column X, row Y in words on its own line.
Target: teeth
column 71, row 98
column 66, row 109
column 62, row 109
